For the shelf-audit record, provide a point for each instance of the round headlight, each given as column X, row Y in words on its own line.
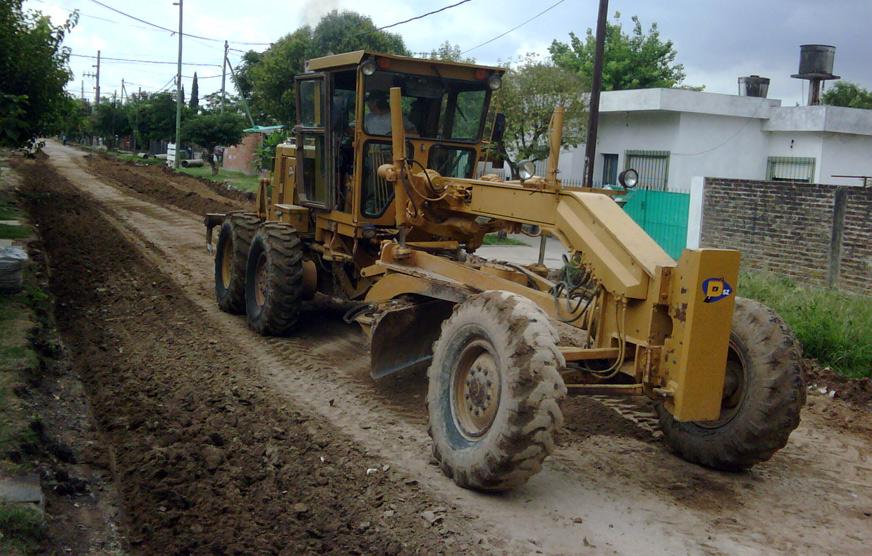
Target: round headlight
column 495, row 82
column 368, row 67
column 526, row 169
column 628, row 178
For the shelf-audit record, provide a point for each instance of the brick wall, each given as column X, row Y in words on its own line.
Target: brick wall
column 817, row 234
column 241, row 157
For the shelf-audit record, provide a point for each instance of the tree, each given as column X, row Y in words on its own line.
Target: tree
column 153, row 118
column 636, row 61
column 448, row 52
column 195, row 95
column 530, row 92
column 211, row 130
column 110, row 120
column 33, row 72
column 267, row 79
column 851, row 95
column 345, row 31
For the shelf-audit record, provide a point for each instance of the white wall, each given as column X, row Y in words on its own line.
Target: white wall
column 622, row 131
column 717, row 146
column 796, row 144
column 845, row 155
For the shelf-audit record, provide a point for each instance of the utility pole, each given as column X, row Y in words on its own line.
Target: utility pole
column 179, row 94
column 97, row 102
column 122, row 91
column 83, row 89
column 224, row 73
column 596, row 87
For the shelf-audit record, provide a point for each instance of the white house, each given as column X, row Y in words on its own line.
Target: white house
column 672, row 135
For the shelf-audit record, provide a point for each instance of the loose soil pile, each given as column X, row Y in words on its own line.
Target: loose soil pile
column 205, row 457
column 157, row 182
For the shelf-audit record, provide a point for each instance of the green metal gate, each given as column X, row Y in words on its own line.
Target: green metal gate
column 663, row 214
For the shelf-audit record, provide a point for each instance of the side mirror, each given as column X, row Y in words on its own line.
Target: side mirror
column 499, row 127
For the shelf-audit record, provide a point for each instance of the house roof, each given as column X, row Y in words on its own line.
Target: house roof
column 833, row 119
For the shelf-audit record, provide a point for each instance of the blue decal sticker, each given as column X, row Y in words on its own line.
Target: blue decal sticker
column 716, row 289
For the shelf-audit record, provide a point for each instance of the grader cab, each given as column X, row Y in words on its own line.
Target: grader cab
column 378, row 201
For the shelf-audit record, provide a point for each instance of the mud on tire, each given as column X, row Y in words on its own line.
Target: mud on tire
column 757, row 424
column 500, row 447
column 231, row 254
column 274, row 280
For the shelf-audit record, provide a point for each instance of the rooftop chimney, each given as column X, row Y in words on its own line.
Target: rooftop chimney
column 753, row 86
column 816, row 66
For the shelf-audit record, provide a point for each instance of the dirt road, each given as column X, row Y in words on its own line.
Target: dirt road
column 611, row 487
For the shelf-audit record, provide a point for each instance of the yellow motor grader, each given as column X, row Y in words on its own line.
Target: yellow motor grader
column 378, row 201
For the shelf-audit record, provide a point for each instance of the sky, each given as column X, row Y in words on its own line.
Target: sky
column 716, row 41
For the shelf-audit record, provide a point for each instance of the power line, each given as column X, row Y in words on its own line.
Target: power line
column 145, row 61
column 515, row 28
column 422, row 16
column 173, row 31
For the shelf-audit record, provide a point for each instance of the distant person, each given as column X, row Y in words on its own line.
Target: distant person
column 378, row 120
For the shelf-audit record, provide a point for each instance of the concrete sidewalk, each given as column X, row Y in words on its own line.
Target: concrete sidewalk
column 525, row 254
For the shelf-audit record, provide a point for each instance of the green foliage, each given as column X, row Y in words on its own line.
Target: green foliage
column 833, row 327
column 448, row 52
column 154, row 117
column 110, row 120
column 194, row 103
column 267, row 78
column 529, row 94
column 266, row 153
column 636, row 61
column 33, row 72
column 851, row 95
column 8, row 231
column 495, row 239
column 22, row 528
column 213, row 129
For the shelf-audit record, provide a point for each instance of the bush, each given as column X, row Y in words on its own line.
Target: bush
column 833, row 327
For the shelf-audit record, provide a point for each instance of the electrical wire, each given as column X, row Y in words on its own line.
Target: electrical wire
column 173, row 31
column 422, row 16
column 515, row 28
column 131, row 60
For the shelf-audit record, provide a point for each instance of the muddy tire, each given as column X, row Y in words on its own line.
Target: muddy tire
column 763, row 396
column 231, row 255
column 494, row 391
column 274, row 280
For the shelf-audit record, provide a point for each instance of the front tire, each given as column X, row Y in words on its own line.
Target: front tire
column 274, row 280
column 494, row 391
column 231, row 254
column 764, row 392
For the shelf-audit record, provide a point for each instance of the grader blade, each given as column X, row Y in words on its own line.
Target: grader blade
column 402, row 336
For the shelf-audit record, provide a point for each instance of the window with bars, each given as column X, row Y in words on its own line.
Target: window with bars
column 790, row 168
column 652, row 166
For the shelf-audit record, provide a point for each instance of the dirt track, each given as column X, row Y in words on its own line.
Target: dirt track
column 609, row 488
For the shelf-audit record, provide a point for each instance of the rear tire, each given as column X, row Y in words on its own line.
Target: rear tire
column 763, row 396
column 231, row 254
column 494, row 391
column 274, row 280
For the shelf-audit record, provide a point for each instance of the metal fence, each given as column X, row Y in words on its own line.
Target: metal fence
column 664, row 215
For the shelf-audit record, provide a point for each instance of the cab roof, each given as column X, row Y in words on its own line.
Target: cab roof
column 354, row 58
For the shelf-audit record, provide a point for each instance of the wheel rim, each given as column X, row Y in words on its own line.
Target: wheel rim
column 227, row 261
column 260, row 280
column 476, row 389
column 735, row 379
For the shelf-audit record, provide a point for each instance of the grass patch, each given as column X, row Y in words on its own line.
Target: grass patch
column 8, row 231
column 495, row 239
column 9, row 213
column 23, row 529
column 833, row 327
column 237, row 180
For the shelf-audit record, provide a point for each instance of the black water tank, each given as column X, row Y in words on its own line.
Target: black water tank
column 753, row 86
column 816, row 60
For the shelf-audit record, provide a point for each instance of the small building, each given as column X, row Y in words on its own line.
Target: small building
column 673, row 135
column 243, row 157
